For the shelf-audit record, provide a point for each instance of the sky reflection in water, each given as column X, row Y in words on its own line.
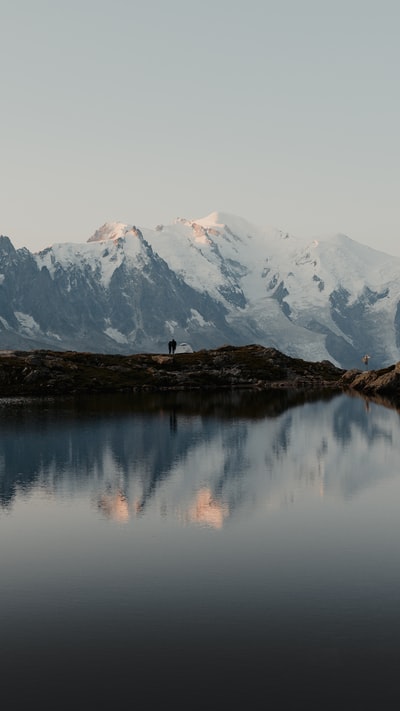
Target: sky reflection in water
column 237, row 540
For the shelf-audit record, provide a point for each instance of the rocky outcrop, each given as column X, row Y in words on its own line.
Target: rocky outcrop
column 384, row 382
column 53, row 373
column 252, row 367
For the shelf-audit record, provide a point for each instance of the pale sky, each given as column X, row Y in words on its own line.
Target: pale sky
column 284, row 112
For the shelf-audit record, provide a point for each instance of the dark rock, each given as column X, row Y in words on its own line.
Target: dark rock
column 229, row 367
column 375, row 382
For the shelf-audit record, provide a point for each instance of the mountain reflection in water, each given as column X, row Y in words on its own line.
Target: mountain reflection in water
column 195, row 458
column 188, row 550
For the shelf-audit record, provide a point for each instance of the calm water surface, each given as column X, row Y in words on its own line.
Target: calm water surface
column 207, row 552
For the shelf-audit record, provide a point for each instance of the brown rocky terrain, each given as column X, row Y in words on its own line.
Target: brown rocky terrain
column 252, row 367
column 383, row 384
column 43, row 372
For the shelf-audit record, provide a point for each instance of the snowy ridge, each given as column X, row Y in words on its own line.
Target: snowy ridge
column 101, row 255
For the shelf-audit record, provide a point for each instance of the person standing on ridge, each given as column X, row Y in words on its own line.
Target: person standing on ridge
column 365, row 359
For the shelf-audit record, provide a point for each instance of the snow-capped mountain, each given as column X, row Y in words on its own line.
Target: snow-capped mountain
column 209, row 282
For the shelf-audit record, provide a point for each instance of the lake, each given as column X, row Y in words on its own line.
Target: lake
column 187, row 550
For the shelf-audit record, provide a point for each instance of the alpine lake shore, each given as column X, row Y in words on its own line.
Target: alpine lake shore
column 47, row 373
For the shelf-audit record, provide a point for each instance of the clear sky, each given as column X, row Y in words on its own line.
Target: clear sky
column 285, row 112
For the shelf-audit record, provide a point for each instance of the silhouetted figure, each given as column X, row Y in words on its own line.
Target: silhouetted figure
column 365, row 359
column 170, row 347
column 173, row 343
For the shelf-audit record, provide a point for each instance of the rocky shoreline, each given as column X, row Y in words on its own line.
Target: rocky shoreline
column 381, row 385
column 53, row 373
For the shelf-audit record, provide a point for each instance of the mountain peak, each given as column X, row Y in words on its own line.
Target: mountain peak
column 222, row 220
column 6, row 246
column 110, row 230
